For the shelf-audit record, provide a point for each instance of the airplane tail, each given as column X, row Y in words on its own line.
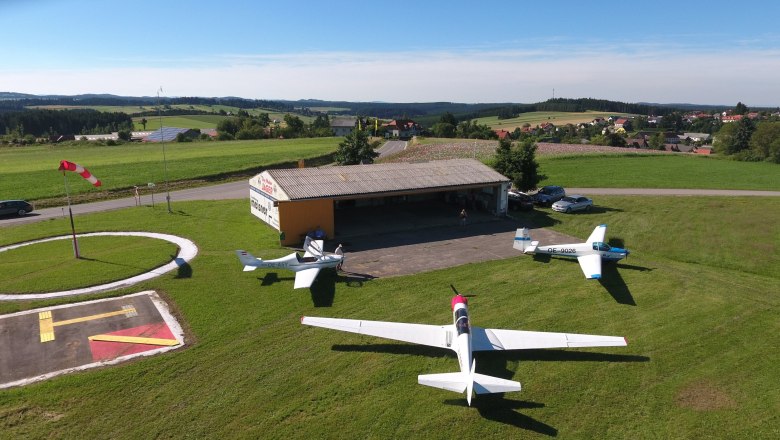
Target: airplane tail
column 248, row 260
column 460, row 382
column 523, row 241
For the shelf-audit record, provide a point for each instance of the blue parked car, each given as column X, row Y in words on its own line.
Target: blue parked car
column 548, row 195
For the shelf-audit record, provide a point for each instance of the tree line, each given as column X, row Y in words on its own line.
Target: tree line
column 245, row 126
column 748, row 140
column 40, row 123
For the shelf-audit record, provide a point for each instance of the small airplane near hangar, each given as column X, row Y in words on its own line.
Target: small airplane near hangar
column 306, row 267
column 464, row 339
column 588, row 254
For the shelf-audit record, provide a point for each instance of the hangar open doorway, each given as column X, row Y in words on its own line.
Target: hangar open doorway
column 361, row 217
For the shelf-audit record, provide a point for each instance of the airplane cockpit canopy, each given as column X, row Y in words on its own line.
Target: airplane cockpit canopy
column 305, row 259
column 462, row 321
column 600, row 246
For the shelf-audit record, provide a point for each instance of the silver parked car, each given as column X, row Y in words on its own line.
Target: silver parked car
column 573, row 203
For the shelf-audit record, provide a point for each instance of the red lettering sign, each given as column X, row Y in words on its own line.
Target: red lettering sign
column 266, row 186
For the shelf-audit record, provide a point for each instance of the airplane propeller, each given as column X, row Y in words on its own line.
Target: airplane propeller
column 468, row 295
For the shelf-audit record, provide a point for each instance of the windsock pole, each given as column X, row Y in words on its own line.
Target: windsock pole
column 70, row 212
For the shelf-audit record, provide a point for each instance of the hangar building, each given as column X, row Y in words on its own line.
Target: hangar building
column 299, row 200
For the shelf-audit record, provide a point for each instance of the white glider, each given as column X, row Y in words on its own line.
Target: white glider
column 464, row 339
column 306, row 268
column 589, row 254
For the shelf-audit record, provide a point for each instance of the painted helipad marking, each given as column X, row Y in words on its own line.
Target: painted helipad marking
column 47, row 322
column 125, row 311
column 47, row 326
column 187, row 251
column 173, row 326
column 134, row 340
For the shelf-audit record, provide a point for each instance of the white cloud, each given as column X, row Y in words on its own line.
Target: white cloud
column 632, row 74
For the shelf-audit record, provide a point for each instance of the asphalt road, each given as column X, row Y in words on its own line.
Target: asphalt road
column 232, row 190
column 391, row 147
column 240, row 190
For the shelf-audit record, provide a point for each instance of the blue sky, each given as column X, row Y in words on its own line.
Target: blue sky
column 715, row 52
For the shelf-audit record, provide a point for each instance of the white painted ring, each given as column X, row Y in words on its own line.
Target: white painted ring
column 187, row 251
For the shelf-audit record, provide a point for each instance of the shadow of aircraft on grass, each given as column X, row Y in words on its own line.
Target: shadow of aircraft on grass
column 323, row 290
column 613, row 282
column 498, row 408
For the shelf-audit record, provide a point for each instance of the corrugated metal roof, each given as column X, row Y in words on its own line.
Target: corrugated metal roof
column 309, row 183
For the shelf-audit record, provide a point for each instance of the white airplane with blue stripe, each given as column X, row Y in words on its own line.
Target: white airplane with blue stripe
column 588, row 254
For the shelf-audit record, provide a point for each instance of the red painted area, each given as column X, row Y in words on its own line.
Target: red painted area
column 458, row 299
column 103, row 351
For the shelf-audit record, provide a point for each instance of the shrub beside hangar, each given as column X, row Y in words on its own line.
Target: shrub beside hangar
column 298, row 200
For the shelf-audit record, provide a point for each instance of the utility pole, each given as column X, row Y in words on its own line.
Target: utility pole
column 165, row 162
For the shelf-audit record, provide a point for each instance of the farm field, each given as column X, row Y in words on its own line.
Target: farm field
column 31, row 172
column 186, row 121
column 609, row 167
column 698, row 357
column 134, row 109
column 536, row 118
column 658, row 171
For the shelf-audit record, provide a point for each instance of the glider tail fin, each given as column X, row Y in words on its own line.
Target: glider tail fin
column 248, row 260
column 523, row 241
column 466, row 382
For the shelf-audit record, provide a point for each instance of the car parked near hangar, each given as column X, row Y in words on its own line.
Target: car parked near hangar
column 573, row 203
column 11, row 207
column 547, row 195
column 520, row 200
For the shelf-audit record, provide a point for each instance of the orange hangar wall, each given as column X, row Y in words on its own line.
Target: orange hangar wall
column 298, row 218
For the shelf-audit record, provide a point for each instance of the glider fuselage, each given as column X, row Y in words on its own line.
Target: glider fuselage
column 462, row 331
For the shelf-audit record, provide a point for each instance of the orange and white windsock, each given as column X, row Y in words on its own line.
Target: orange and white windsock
column 70, row 166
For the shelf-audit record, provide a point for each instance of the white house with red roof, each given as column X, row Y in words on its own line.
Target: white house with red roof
column 402, row 128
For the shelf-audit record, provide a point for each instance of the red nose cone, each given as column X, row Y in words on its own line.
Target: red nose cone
column 457, row 299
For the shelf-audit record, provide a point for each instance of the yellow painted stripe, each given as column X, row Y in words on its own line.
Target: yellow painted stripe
column 47, row 328
column 93, row 317
column 134, row 340
column 44, row 315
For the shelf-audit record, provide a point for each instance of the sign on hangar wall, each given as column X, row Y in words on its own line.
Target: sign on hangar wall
column 263, row 199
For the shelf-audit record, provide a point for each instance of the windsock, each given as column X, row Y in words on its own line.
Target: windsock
column 70, row 166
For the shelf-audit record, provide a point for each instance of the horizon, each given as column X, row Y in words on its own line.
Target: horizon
column 416, row 53
column 112, row 96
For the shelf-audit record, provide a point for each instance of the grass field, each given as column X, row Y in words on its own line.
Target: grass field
column 31, row 172
column 658, row 171
column 51, row 265
column 188, row 121
column 536, row 118
column 135, row 109
column 702, row 360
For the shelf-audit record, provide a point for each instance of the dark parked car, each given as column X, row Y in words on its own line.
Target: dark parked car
column 548, row 195
column 520, row 200
column 18, row 207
